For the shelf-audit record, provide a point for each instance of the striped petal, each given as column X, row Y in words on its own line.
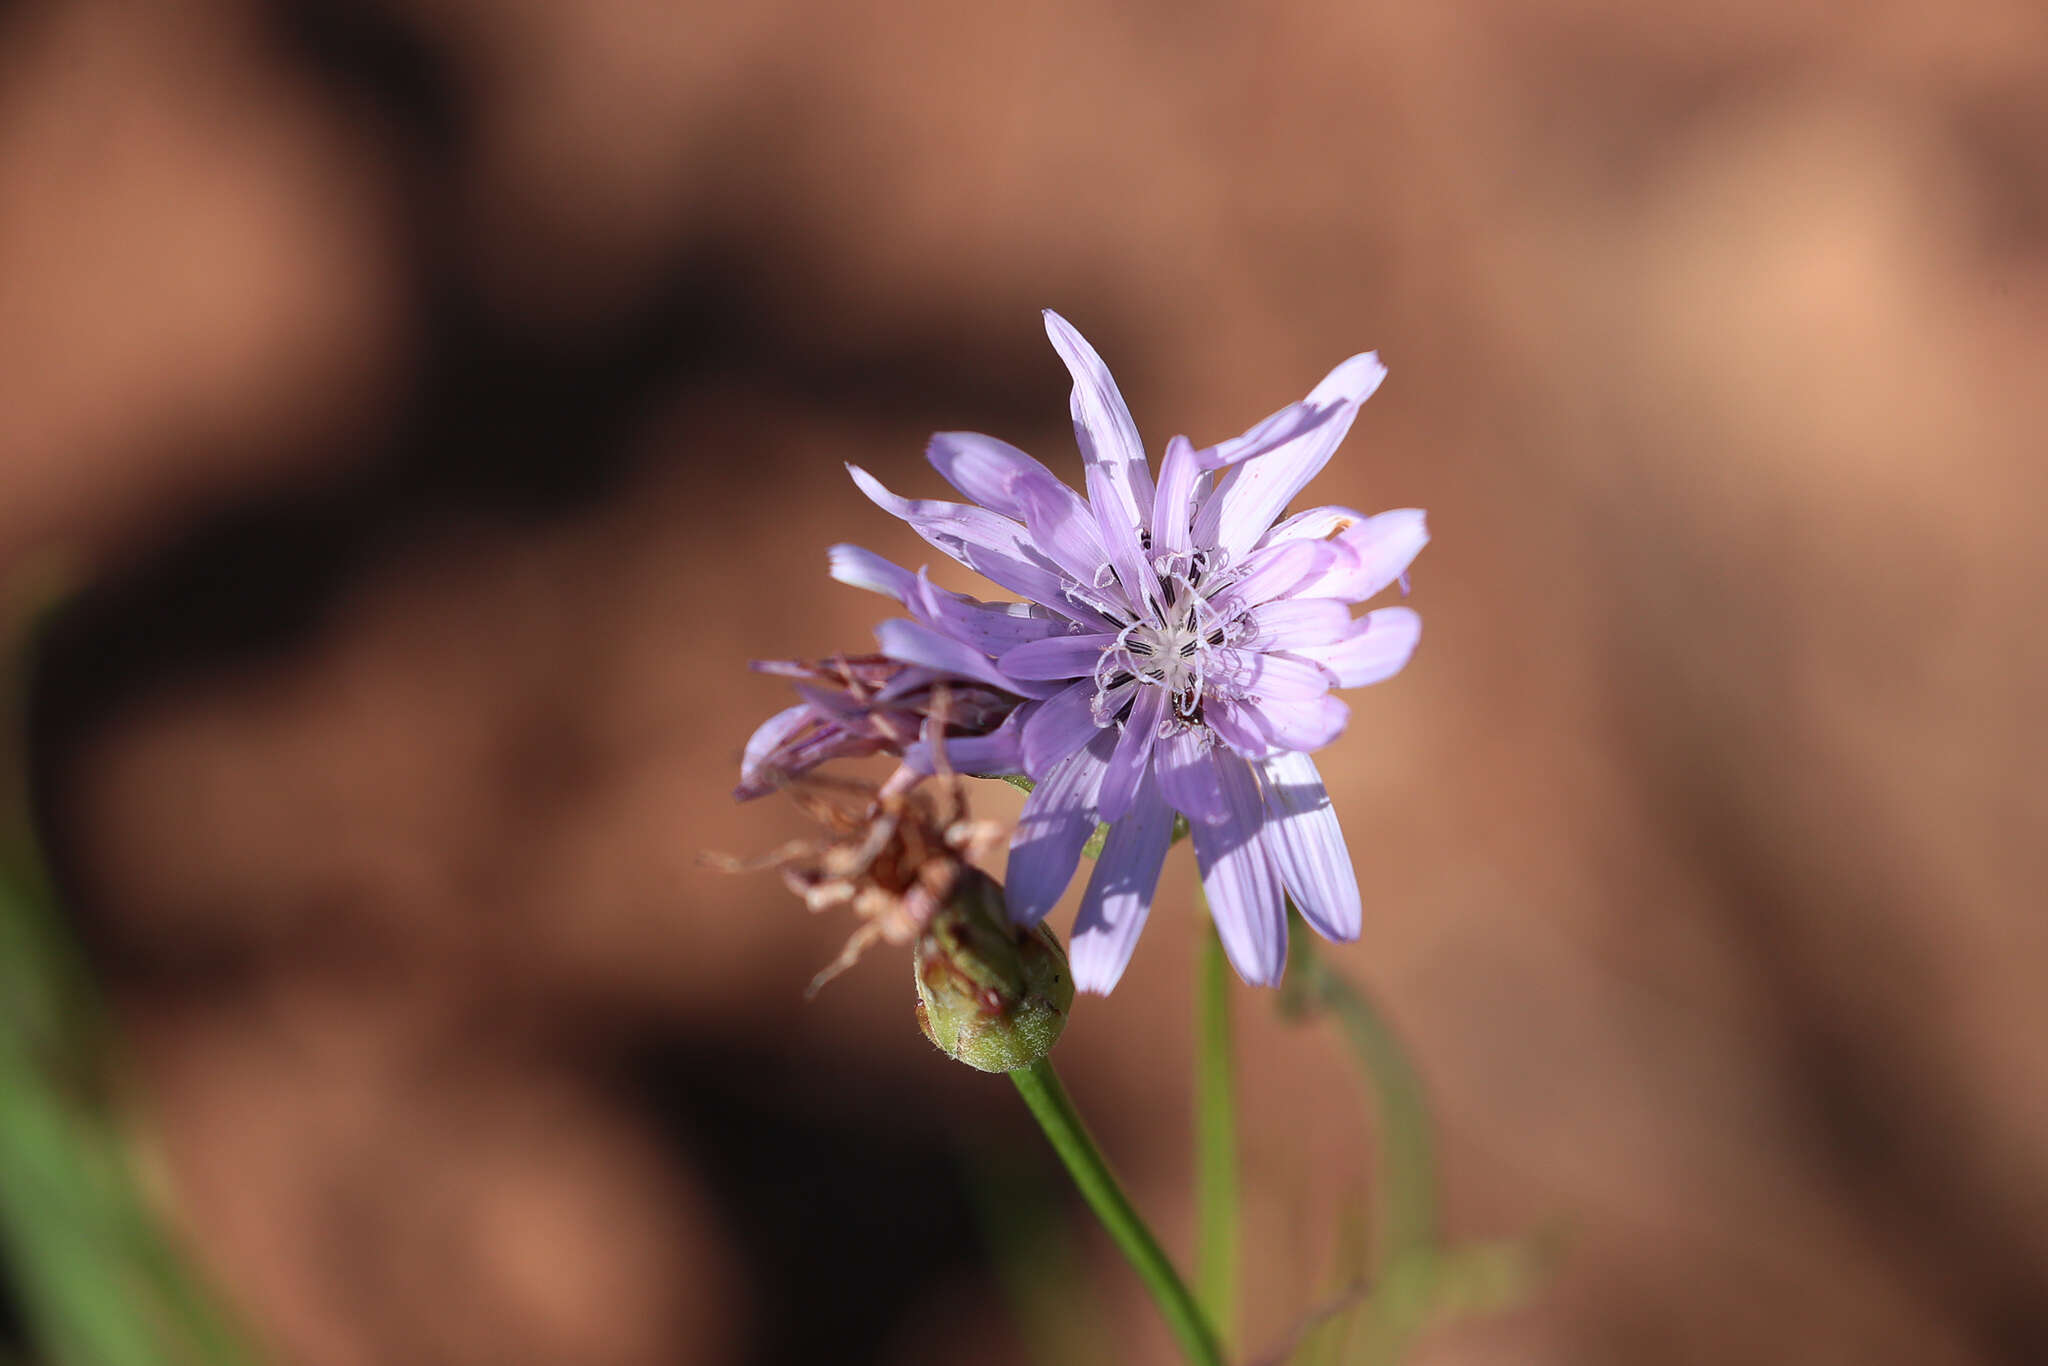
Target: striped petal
column 1187, row 776
column 1056, row 657
column 1057, row 819
column 988, row 471
column 1120, row 891
column 1302, row 836
column 1240, row 880
column 1062, row 725
column 1257, row 490
column 1378, row 647
column 1102, row 422
column 1133, row 755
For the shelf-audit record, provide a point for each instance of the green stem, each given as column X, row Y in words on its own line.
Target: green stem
column 1216, row 1183
column 1407, row 1180
column 1408, row 1253
column 1055, row 1113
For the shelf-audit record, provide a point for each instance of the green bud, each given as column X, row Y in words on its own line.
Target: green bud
column 989, row 994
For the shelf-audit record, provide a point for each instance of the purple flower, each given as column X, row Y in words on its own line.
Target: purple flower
column 1177, row 654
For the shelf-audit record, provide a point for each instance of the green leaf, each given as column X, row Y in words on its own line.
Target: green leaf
column 1418, row 1281
column 97, row 1279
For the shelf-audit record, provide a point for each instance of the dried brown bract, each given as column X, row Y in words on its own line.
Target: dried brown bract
column 895, row 855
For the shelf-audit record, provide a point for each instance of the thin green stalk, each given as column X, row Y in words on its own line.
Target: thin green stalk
column 1054, row 1110
column 1216, row 1181
column 1408, row 1256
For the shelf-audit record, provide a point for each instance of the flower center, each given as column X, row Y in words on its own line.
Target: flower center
column 1171, row 644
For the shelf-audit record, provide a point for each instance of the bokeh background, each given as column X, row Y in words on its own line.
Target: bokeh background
column 446, row 398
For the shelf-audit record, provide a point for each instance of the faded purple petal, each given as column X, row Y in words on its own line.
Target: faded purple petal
column 1300, row 723
column 1377, row 648
column 1064, row 527
column 833, row 703
column 1120, row 538
column 1315, row 524
column 1058, row 817
column 915, row 643
column 1064, row 724
column 1381, row 549
column 1133, row 753
column 986, row 470
column 1257, row 490
column 1120, row 891
column 862, row 568
column 1277, row 678
column 1293, row 622
column 1173, row 505
column 991, row 545
column 1056, row 657
column 767, row 737
column 1236, row 728
column 999, row 752
column 990, row 627
column 1296, row 419
column 1306, row 845
column 1277, row 572
column 1239, row 878
column 1102, row 422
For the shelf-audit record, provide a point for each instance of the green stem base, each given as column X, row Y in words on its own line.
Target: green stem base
column 1054, row 1110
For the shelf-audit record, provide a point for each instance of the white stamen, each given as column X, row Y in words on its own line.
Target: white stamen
column 1172, row 642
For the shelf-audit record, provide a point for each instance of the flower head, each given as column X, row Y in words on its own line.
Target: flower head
column 857, row 705
column 1176, row 652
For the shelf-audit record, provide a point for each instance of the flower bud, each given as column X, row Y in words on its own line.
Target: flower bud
column 990, row 994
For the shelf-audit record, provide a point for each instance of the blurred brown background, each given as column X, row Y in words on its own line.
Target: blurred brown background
column 453, row 395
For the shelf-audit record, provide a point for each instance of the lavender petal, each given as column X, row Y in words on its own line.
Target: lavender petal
column 987, row 471
column 1254, row 492
column 1378, row 647
column 1134, row 572
column 1291, row 622
column 1064, row 528
column 1058, row 817
column 1062, row 725
column 915, row 643
column 1278, row 572
column 1133, row 755
column 1120, row 891
column 1235, row 727
column 1173, row 505
column 1187, row 776
column 1307, row 846
column 1298, row 723
column 990, row 627
column 1056, row 657
column 991, row 545
column 1239, row 878
column 766, row 739
column 1381, row 549
column 993, row 755
column 863, row 568
column 1296, row 419
column 1102, row 421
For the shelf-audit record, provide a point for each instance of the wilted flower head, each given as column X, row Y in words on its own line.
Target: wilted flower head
column 857, row 705
column 1177, row 653
column 894, row 854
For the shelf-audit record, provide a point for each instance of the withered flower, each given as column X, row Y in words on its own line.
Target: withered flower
column 900, row 856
